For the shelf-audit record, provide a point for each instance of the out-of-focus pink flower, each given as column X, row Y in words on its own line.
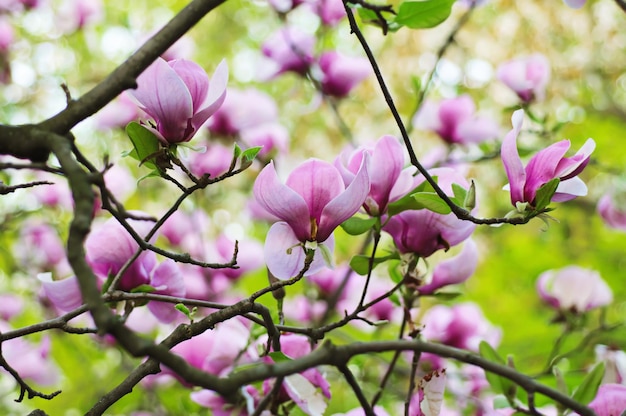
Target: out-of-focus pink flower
column 118, row 113
column 389, row 182
column 76, row 14
column 455, row 121
column 527, row 77
column 179, row 97
column 290, row 49
column 221, row 407
column 111, row 246
column 55, row 195
column 253, row 115
column 612, row 209
column 574, row 288
column 461, row 326
column 7, row 35
column 214, row 160
column 575, row 4
column 218, row 350
column 39, row 246
column 422, row 232
column 312, row 203
column 610, row 400
column 10, row 306
column 614, row 364
column 330, row 12
column 32, row 362
column 243, row 109
column 455, row 270
column 547, row 164
column 340, row 73
column 64, row 294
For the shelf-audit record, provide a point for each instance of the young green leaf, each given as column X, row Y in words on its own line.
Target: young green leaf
column 361, row 263
column 248, row 155
column 499, row 384
column 545, row 193
column 432, row 202
column 588, row 389
column 145, row 143
column 143, row 289
column 423, row 14
column 358, row 226
column 182, row 308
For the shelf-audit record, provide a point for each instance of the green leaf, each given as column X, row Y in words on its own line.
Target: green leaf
column 366, row 15
column 143, row 289
column 588, row 389
column 545, row 193
column 358, row 226
column 278, row 356
column 432, row 202
column 423, row 14
column 500, row 385
column 248, row 155
column 145, row 143
column 460, row 193
column 236, row 151
column 361, row 263
column 182, row 308
column 407, row 202
column 469, row 203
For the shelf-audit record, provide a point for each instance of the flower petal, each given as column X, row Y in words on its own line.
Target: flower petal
column 283, row 202
column 305, row 395
column 169, row 280
column 215, row 97
column 541, row 168
column 318, row 182
column 455, row 270
column 569, row 189
column 386, row 163
column 346, row 204
column 511, row 160
column 194, row 77
column 284, row 255
column 64, row 294
column 165, row 97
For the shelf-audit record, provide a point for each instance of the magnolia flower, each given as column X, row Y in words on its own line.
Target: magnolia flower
column 612, row 209
column 111, row 246
column 422, row 232
column 429, row 397
column 179, row 97
column 462, row 326
column 528, row 77
column 290, row 50
column 311, row 204
column 340, row 74
column 610, row 400
column 546, row 165
column 389, row 182
column 330, row 11
column 455, row 121
column 574, row 288
column 455, row 270
column 241, row 110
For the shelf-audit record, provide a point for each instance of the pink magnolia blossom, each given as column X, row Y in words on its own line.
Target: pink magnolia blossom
column 527, row 77
column 612, row 209
column 76, row 14
column 462, row 326
column 574, row 288
column 455, row 270
column 340, row 73
column 544, row 166
column 422, row 232
column 31, row 361
column 179, row 97
column 614, row 363
column 610, row 400
column 311, row 204
column 290, row 49
column 64, row 294
column 111, row 246
column 389, row 182
column 284, row 6
column 214, row 161
column 455, row 121
column 243, row 109
column 7, row 35
column 330, row 12
column 39, row 246
column 118, row 113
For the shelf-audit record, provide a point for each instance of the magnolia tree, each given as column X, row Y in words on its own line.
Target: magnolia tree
column 312, row 207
